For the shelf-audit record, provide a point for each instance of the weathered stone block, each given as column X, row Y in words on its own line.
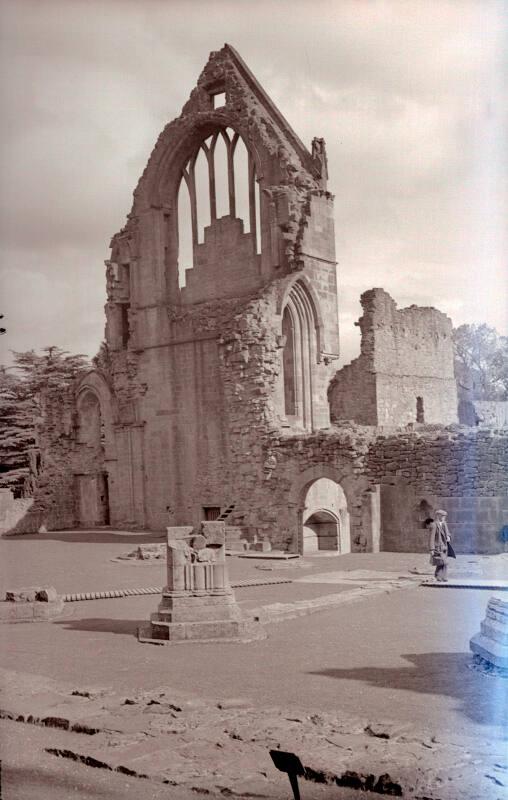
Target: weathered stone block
column 491, row 644
column 26, row 594
column 47, row 594
column 30, row 611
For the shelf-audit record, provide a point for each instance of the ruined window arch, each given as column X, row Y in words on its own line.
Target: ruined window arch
column 219, row 179
column 299, row 355
column 91, row 430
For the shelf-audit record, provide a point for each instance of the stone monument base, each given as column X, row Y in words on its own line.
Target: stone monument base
column 198, row 604
column 203, row 632
column 187, row 618
column 491, row 644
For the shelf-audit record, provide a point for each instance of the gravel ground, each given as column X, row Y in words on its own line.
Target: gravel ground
column 398, row 658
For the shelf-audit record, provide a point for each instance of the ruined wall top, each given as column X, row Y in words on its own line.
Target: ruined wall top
column 280, row 156
column 284, row 217
column 409, row 341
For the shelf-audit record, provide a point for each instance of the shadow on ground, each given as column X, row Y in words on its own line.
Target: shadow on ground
column 483, row 698
column 99, row 536
column 125, row 627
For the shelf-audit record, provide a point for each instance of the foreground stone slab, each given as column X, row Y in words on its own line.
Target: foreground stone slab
column 491, row 644
column 198, row 603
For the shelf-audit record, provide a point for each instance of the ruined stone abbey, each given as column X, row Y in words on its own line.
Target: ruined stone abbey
column 220, row 397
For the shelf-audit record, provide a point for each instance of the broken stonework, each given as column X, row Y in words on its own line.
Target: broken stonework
column 491, row 644
column 147, row 552
column 31, row 604
column 26, row 594
column 47, row 594
column 405, row 373
column 30, row 594
column 198, row 603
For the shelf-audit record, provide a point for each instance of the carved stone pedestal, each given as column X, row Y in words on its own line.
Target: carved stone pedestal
column 198, row 603
column 491, row 644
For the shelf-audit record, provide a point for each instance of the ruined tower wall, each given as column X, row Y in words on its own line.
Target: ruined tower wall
column 405, row 371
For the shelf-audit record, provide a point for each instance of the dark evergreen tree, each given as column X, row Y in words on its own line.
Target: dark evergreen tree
column 17, row 432
column 34, row 380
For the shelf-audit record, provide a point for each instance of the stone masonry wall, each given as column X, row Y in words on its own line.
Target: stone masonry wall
column 465, row 471
column 196, row 372
column 405, row 354
column 212, row 401
column 352, row 394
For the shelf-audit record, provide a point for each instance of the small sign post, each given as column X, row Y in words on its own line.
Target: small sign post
column 291, row 765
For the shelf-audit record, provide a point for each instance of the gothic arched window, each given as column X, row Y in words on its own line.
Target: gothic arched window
column 299, row 355
column 218, row 180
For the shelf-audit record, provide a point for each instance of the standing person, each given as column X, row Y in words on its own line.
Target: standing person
column 438, row 545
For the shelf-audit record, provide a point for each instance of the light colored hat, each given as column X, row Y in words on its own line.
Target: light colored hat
column 441, row 511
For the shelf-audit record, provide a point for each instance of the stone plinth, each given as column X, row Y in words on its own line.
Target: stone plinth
column 491, row 644
column 31, row 604
column 36, row 611
column 198, row 603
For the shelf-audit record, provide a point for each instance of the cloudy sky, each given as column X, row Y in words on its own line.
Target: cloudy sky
column 411, row 98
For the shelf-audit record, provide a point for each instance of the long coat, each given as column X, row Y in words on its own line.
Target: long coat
column 439, row 537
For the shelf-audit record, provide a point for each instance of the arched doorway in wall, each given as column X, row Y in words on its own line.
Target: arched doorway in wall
column 325, row 518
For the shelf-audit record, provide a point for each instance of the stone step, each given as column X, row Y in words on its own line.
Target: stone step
column 225, row 514
column 235, row 539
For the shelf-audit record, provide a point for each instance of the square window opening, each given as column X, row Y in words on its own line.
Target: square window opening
column 211, row 513
column 219, row 99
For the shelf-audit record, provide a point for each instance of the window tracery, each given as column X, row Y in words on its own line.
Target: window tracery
column 218, row 180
